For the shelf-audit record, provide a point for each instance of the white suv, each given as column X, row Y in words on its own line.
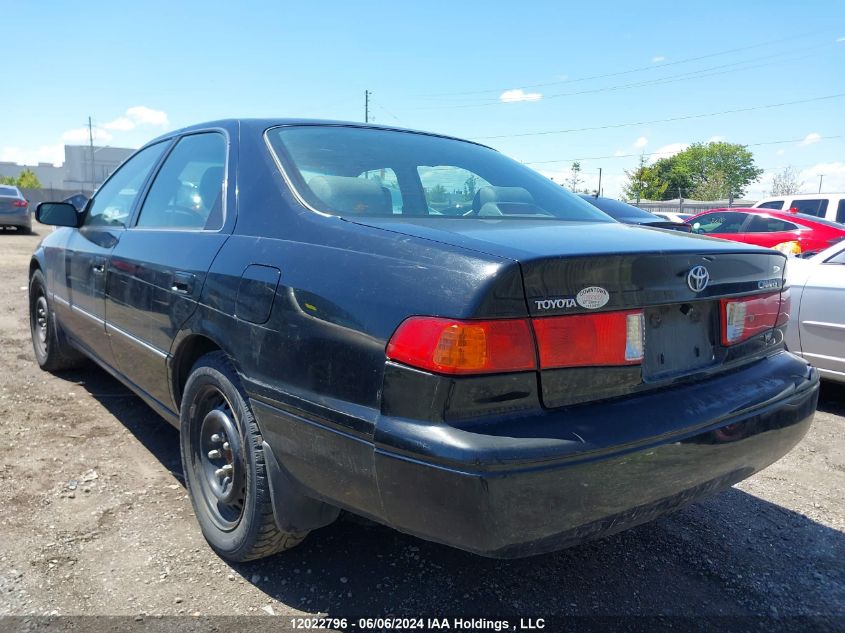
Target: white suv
column 830, row 206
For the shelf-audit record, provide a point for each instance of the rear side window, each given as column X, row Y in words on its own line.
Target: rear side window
column 113, row 203
column 187, row 192
column 810, row 207
column 727, row 222
column 840, row 212
column 774, row 204
column 762, row 224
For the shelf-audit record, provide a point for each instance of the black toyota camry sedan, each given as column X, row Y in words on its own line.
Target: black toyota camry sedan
column 419, row 330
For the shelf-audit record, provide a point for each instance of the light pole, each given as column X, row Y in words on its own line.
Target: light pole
column 821, row 177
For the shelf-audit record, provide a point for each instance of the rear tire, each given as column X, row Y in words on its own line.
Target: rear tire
column 52, row 350
column 223, row 462
column 25, row 230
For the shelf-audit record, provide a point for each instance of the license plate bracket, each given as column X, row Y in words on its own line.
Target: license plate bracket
column 679, row 339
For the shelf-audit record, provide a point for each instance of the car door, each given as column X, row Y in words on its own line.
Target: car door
column 821, row 316
column 158, row 269
column 89, row 248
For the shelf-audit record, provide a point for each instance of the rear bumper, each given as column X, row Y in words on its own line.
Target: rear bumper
column 522, row 486
column 16, row 219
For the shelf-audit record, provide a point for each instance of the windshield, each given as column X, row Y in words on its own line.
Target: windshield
column 351, row 171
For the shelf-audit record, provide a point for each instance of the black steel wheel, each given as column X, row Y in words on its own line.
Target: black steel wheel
column 52, row 350
column 224, row 467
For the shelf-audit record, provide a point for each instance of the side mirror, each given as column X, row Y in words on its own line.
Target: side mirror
column 57, row 214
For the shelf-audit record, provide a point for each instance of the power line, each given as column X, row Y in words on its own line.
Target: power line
column 685, row 117
column 779, row 40
column 701, row 73
column 566, row 160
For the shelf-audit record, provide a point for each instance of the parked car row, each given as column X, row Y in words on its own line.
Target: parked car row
column 509, row 380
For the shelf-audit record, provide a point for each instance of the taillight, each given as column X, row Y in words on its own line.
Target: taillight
column 581, row 340
column 19, row 203
column 749, row 316
column 449, row 346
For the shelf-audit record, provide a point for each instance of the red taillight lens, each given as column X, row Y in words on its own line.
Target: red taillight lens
column 19, row 203
column 607, row 338
column 749, row 316
column 449, row 346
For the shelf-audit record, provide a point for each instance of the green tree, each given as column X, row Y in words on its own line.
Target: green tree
column 25, row 180
column 437, row 193
column 470, row 187
column 28, row 180
column 786, row 182
column 711, row 171
column 574, row 177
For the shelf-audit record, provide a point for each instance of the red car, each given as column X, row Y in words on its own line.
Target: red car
column 787, row 231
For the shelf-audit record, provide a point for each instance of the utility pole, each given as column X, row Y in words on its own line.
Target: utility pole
column 821, row 177
column 367, row 94
column 91, row 146
column 598, row 190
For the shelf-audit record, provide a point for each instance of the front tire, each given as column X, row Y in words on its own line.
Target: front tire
column 224, row 467
column 52, row 350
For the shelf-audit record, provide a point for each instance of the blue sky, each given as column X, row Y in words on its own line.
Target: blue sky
column 470, row 69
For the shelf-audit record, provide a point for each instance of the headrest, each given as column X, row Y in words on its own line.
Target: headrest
column 491, row 201
column 355, row 196
column 211, row 187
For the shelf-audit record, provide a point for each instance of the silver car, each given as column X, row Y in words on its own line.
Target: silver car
column 817, row 328
column 14, row 209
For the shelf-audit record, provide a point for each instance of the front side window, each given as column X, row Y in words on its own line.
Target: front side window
column 774, row 204
column 763, row 224
column 187, row 192
column 840, row 212
column 113, row 202
column 810, row 207
column 436, row 177
column 719, row 222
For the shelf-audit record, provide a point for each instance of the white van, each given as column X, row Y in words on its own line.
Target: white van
column 830, row 206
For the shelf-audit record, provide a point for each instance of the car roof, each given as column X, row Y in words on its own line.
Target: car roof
column 803, row 196
column 266, row 123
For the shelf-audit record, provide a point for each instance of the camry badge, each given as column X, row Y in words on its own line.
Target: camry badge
column 698, row 278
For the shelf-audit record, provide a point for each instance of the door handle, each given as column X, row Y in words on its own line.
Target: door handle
column 183, row 283
column 98, row 268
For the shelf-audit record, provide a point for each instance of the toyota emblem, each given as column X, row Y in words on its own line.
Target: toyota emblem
column 698, row 278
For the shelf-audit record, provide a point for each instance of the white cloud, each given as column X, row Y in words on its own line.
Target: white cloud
column 135, row 116
column 120, row 124
column 840, row 39
column 54, row 154
column 142, row 115
column 781, row 152
column 812, row 137
column 716, row 139
column 669, row 150
column 657, row 58
column 80, row 135
column 518, row 94
column 834, row 177
column 640, row 143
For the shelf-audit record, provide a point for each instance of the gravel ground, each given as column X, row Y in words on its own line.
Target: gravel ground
column 94, row 519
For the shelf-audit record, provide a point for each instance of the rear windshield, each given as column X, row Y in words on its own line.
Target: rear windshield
column 618, row 209
column 350, row 171
column 8, row 191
